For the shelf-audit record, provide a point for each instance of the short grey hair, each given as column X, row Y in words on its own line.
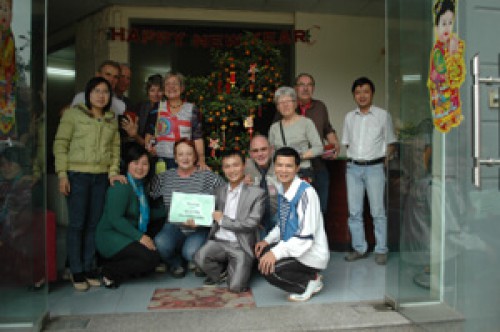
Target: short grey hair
column 284, row 91
column 179, row 76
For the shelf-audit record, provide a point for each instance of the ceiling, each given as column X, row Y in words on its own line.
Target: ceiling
column 64, row 13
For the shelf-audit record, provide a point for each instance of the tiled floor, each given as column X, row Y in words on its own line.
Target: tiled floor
column 344, row 282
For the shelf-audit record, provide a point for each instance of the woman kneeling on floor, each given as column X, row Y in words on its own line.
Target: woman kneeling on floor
column 125, row 233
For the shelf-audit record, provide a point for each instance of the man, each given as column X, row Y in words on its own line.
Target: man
column 110, row 70
column 259, row 171
column 231, row 240
column 316, row 111
column 367, row 135
column 294, row 252
column 123, row 85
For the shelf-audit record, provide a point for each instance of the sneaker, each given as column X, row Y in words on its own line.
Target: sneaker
column 354, row 256
column 93, row 278
column 313, row 287
column 161, row 268
column 381, row 259
column 79, row 282
column 178, row 272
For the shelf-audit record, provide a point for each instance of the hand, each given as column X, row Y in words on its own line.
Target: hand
column 266, row 263
column 248, row 180
column 203, row 167
column 453, row 48
column 119, row 178
column 147, row 242
column 217, row 216
column 130, row 126
column 190, row 223
column 64, row 186
column 259, row 246
column 148, row 144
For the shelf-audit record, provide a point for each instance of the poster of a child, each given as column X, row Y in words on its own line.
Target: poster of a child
column 447, row 68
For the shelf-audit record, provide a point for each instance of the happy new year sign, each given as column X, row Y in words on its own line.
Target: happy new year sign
column 211, row 40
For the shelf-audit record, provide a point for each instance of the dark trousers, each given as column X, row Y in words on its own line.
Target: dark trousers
column 290, row 275
column 133, row 260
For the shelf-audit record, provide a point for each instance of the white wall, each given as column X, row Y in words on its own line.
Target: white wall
column 345, row 48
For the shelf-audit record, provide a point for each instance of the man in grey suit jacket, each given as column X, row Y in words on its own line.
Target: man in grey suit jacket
column 231, row 241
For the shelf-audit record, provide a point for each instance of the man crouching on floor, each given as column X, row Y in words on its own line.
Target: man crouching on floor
column 296, row 249
column 239, row 210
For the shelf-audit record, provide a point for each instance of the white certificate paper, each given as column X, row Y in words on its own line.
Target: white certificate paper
column 198, row 207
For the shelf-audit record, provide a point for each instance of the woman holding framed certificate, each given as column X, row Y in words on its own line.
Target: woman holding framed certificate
column 180, row 239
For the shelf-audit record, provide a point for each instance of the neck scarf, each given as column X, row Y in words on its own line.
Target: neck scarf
column 138, row 187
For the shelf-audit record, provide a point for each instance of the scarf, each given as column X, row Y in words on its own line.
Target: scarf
column 138, row 187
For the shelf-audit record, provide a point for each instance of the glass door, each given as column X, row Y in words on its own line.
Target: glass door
column 445, row 273
column 23, row 232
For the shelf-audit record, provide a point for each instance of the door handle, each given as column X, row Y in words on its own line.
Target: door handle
column 476, row 106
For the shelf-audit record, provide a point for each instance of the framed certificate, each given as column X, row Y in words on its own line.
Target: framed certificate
column 198, row 207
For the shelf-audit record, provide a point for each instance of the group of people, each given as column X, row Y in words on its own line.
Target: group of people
column 120, row 166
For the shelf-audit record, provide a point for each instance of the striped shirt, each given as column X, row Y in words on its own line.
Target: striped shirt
column 200, row 182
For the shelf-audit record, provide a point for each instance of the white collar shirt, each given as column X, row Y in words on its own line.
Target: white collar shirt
column 230, row 210
column 367, row 135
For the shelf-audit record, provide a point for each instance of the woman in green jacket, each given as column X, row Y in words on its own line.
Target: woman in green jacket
column 87, row 156
column 124, row 234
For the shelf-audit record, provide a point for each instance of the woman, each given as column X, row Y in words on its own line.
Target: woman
column 175, row 119
column 124, row 236
column 136, row 126
column 295, row 131
column 87, row 156
column 174, row 244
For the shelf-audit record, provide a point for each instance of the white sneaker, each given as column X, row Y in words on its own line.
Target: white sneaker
column 313, row 287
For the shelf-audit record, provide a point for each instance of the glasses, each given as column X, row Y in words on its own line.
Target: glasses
column 289, row 101
column 100, row 92
column 264, row 149
column 305, row 85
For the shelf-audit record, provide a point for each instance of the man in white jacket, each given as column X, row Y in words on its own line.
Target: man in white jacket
column 296, row 249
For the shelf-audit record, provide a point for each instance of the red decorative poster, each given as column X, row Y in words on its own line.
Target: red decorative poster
column 447, row 68
column 7, row 70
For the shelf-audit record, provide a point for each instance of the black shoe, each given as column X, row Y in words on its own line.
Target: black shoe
column 109, row 283
column 199, row 272
column 209, row 282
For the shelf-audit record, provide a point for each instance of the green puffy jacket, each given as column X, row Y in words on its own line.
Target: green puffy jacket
column 87, row 144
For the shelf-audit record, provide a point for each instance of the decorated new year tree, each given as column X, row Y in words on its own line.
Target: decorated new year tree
column 237, row 93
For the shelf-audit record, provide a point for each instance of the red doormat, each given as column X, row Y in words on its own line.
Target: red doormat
column 200, row 298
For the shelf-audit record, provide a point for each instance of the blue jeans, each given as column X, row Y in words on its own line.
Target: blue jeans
column 85, row 206
column 371, row 178
column 322, row 185
column 175, row 247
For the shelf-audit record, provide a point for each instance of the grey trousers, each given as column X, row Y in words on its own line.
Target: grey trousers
column 213, row 257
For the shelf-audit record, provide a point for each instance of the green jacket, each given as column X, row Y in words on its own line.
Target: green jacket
column 119, row 224
column 86, row 144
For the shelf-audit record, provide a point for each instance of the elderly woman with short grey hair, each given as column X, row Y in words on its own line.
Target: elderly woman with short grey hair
column 295, row 131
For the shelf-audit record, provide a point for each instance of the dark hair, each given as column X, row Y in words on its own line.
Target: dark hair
column 306, row 75
column 441, row 7
column 91, row 84
column 362, row 81
column 233, row 153
column 287, row 151
column 15, row 154
column 134, row 152
column 152, row 80
column 109, row 63
column 188, row 142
